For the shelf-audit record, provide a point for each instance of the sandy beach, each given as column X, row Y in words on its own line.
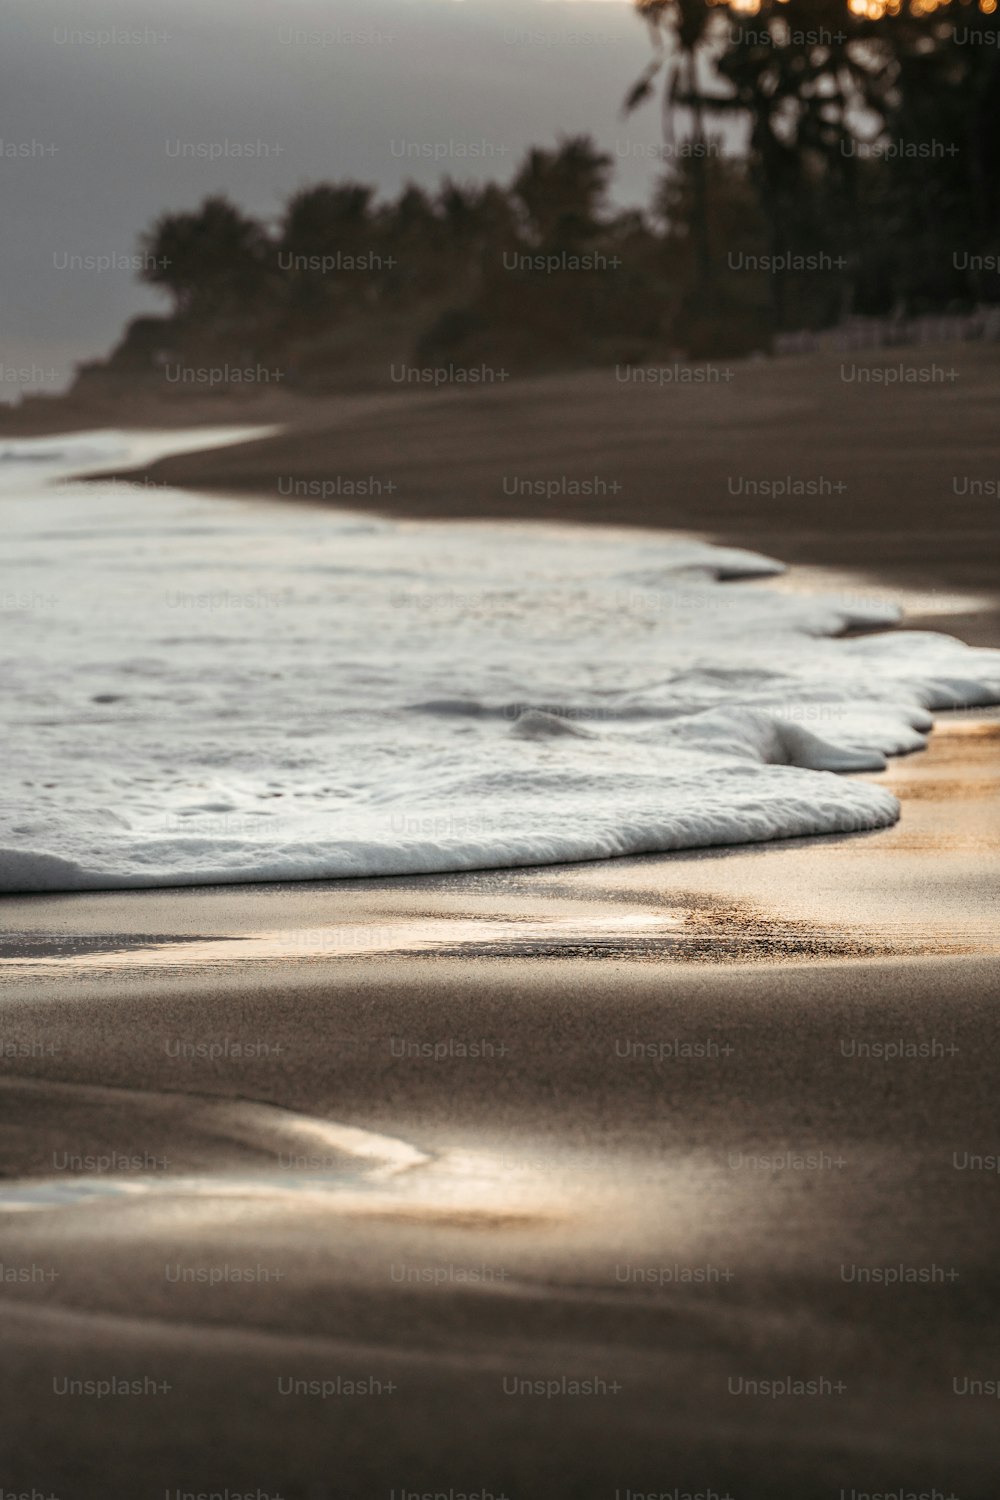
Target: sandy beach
column 903, row 474
column 516, row 1183
column 500, row 721
column 662, row 1175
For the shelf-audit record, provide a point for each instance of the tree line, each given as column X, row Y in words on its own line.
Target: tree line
column 821, row 158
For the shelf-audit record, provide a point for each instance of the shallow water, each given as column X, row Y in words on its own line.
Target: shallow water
column 202, row 690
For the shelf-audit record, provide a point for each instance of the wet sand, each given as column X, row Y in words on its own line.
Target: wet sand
column 669, row 1126
column 905, row 476
column 494, row 1141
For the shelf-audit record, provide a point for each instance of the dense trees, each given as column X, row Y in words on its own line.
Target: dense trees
column 539, row 270
column 821, row 157
column 873, row 133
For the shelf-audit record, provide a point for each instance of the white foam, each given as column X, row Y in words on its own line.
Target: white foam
column 83, row 448
column 202, row 690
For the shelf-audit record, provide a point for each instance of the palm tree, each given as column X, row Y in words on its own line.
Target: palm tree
column 682, row 32
column 808, row 76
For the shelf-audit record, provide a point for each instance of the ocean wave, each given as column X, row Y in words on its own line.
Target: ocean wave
column 75, row 448
column 202, row 690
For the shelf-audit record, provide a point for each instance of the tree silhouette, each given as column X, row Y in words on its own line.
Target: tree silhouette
column 826, row 102
column 213, row 263
column 812, row 76
column 326, row 243
column 562, row 193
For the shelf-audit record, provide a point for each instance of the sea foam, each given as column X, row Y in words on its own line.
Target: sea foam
column 201, row 690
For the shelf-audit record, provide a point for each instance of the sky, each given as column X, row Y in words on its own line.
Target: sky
column 113, row 111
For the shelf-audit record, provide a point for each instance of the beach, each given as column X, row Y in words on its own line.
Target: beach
column 594, row 1193
column 665, row 1174
column 889, row 458
column 500, row 730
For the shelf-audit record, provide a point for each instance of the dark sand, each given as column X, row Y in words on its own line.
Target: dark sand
column 677, row 1102
column 658, row 1173
column 675, row 451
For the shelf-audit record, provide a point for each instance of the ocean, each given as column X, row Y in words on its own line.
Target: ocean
column 202, row 690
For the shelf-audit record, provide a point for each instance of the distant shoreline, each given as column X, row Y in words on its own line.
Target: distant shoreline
column 894, row 481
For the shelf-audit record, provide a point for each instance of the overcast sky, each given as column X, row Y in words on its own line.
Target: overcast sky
column 97, row 133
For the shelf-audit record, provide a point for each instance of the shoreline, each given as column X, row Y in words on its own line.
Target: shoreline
column 303, row 556
column 904, row 517
column 726, row 904
column 598, row 1189
column 890, row 500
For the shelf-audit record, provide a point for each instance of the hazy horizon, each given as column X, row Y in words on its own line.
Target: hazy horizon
column 105, row 131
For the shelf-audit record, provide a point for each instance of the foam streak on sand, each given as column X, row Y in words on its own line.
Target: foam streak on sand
column 203, row 690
